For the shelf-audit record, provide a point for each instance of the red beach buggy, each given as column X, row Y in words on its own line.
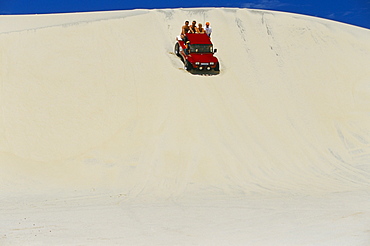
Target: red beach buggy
column 197, row 53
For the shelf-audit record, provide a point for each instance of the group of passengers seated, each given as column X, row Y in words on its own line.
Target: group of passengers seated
column 194, row 29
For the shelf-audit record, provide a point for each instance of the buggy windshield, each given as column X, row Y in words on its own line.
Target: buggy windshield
column 201, row 48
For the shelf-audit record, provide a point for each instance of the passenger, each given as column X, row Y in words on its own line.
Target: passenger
column 208, row 29
column 187, row 47
column 193, row 27
column 184, row 30
column 200, row 29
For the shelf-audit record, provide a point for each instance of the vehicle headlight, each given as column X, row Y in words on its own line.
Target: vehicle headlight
column 211, row 63
column 197, row 63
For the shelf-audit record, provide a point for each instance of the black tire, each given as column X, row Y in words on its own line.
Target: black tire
column 177, row 49
column 188, row 66
column 217, row 68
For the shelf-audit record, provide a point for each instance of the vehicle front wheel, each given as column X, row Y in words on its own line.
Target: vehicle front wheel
column 217, row 68
column 188, row 66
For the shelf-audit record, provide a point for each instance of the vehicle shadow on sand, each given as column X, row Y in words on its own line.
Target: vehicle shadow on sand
column 203, row 73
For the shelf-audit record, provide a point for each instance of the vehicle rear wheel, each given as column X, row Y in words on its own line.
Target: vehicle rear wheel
column 177, row 49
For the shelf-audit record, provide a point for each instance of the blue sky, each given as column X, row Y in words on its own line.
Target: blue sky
column 355, row 12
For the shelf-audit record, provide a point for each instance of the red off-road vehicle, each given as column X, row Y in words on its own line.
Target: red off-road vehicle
column 199, row 54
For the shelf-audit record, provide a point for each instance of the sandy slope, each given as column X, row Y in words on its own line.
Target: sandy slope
column 99, row 115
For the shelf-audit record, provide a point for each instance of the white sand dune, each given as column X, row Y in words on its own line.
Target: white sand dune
column 106, row 140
